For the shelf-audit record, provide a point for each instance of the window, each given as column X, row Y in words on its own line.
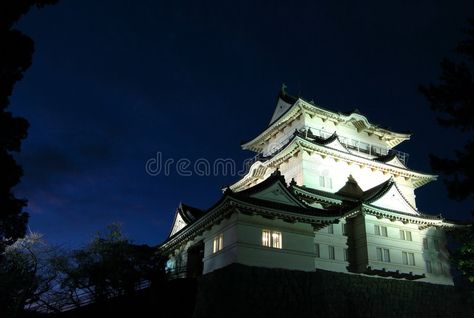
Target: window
column 325, row 182
column 266, row 239
column 276, row 239
column 271, row 238
column 346, row 254
column 344, row 229
column 425, row 243
column 316, row 250
column 380, row 230
column 445, row 269
column 331, row 229
column 436, row 244
column 218, row 243
column 405, row 235
column 408, row 258
column 383, row 255
column 331, row 252
column 429, row 269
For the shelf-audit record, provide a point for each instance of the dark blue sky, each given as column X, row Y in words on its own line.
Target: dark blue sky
column 114, row 82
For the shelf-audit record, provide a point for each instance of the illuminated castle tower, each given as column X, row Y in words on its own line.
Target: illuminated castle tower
column 326, row 191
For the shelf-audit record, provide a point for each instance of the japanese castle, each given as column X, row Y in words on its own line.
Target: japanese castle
column 327, row 191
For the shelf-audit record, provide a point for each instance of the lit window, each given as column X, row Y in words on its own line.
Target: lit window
column 346, row 254
column 380, row 230
column 331, row 252
column 405, row 235
column 408, row 258
column 429, row 269
column 271, row 238
column 383, row 255
column 266, row 239
column 276, row 239
column 218, row 243
column 331, row 229
column 425, row 243
column 316, row 250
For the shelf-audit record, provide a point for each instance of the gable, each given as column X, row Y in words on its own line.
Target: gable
column 281, row 108
column 276, row 193
column 178, row 224
column 394, row 200
column 396, row 162
column 336, row 144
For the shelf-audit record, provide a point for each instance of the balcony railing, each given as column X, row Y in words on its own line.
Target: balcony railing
column 352, row 144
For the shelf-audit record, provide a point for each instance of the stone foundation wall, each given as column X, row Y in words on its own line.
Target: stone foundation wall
column 243, row 291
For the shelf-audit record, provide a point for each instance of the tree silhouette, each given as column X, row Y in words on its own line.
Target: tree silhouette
column 27, row 275
column 15, row 58
column 109, row 266
column 453, row 101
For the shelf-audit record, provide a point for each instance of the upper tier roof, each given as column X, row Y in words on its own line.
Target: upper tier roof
column 289, row 107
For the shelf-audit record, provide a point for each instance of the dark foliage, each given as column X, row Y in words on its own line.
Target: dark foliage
column 109, row 266
column 26, row 274
column 453, row 100
column 15, row 58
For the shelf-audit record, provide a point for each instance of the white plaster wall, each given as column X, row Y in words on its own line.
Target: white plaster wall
column 293, row 169
column 297, row 250
column 339, row 241
column 395, row 245
column 228, row 254
column 314, row 166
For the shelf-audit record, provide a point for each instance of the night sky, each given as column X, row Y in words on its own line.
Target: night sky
column 114, row 82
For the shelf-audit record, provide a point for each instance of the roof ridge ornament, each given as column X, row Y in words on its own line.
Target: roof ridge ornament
column 276, row 173
column 228, row 190
column 292, row 182
column 351, row 179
